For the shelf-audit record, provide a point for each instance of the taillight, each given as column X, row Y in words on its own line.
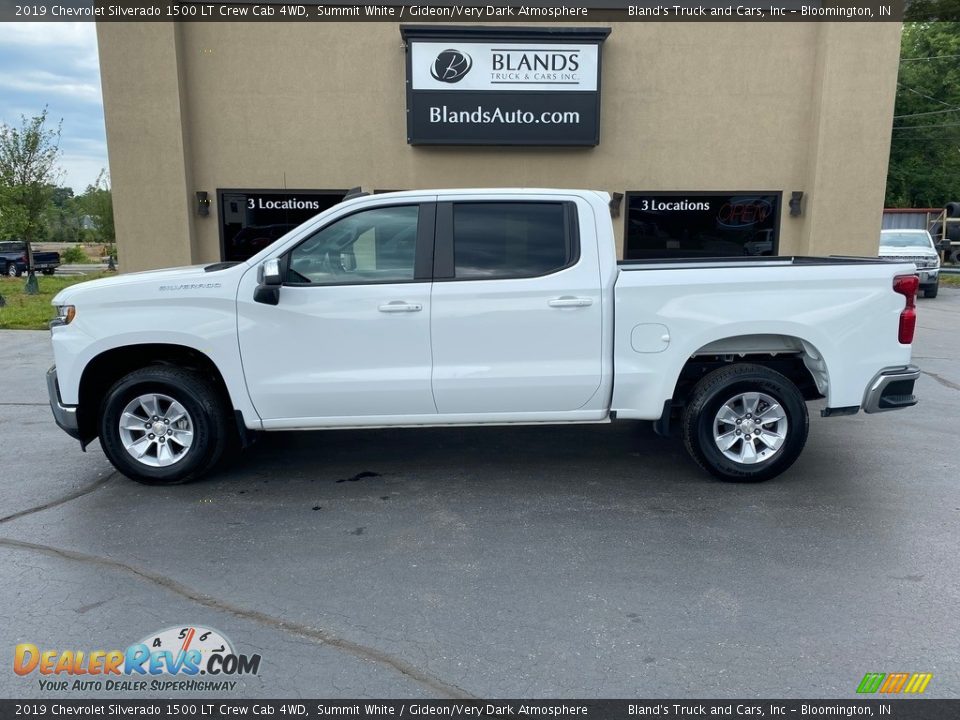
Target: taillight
column 907, row 286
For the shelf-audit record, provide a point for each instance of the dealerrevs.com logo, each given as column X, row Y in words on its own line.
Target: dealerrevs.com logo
column 168, row 660
column 451, row 66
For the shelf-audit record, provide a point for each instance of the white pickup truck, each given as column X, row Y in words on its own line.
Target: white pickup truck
column 476, row 307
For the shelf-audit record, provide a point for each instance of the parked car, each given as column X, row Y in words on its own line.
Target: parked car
column 914, row 246
column 477, row 307
column 13, row 259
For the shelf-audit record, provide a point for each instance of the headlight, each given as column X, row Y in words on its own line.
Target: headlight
column 65, row 315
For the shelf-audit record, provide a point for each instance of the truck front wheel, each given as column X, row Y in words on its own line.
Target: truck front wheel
column 745, row 423
column 163, row 425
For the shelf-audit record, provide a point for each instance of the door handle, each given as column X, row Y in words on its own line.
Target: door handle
column 570, row 301
column 399, row 306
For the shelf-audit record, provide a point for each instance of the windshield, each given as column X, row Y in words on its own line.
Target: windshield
column 906, row 239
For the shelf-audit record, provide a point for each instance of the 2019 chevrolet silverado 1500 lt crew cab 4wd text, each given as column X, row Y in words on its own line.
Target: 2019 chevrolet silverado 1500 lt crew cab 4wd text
column 470, row 307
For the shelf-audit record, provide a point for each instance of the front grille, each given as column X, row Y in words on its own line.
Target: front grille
column 919, row 262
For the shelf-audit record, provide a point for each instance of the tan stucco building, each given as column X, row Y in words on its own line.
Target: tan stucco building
column 276, row 120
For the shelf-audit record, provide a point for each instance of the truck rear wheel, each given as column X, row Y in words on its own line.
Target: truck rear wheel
column 745, row 423
column 163, row 425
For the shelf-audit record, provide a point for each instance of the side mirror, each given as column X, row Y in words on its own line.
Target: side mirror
column 270, row 273
column 943, row 245
column 271, row 278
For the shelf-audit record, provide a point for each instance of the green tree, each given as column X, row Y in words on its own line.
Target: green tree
column 97, row 203
column 63, row 216
column 28, row 174
column 924, row 166
column 928, row 10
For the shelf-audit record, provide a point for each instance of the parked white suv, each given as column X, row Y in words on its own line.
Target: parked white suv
column 914, row 246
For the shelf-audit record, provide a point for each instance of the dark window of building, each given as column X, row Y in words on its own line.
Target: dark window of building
column 252, row 219
column 503, row 240
column 673, row 225
column 376, row 245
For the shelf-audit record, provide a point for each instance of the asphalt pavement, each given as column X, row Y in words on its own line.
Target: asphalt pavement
column 580, row 561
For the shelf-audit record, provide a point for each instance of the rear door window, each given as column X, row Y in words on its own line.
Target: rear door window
column 493, row 240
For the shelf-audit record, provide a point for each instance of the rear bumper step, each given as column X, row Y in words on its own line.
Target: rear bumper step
column 891, row 389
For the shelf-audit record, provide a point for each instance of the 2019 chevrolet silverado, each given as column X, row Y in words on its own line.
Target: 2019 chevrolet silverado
column 477, row 307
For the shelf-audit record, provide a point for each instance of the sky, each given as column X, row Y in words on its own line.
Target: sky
column 56, row 64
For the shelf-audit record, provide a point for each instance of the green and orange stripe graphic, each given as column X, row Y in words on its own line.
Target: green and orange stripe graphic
column 891, row 683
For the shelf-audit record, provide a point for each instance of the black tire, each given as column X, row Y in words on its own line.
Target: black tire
column 952, row 209
column 196, row 394
column 930, row 291
column 11, row 270
column 47, row 271
column 719, row 387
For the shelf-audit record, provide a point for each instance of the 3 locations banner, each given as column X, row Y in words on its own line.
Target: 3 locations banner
column 503, row 86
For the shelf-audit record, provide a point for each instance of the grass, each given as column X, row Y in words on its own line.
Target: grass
column 33, row 312
column 950, row 280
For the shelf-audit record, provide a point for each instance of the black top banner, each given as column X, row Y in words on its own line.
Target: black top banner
column 209, row 708
column 479, row 12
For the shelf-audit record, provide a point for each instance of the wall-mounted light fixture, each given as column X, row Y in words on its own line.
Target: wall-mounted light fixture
column 796, row 203
column 615, row 201
column 203, row 204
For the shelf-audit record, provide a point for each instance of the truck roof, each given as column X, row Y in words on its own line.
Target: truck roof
column 494, row 191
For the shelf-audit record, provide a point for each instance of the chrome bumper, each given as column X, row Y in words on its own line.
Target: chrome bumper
column 64, row 415
column 891, row 389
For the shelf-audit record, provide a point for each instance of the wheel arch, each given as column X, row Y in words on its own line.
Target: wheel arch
column 104, row 369
column 795, row 357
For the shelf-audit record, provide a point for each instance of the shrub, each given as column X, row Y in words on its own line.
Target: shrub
column 73, row 255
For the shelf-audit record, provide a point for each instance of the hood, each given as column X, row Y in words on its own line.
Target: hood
column 186, row 275
column 891, row 251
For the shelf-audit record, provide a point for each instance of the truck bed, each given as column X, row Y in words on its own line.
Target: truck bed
column 840, row 313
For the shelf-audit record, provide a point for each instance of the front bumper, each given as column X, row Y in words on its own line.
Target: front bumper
column 64, row 415
column 891, row 389
column 929, row 276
